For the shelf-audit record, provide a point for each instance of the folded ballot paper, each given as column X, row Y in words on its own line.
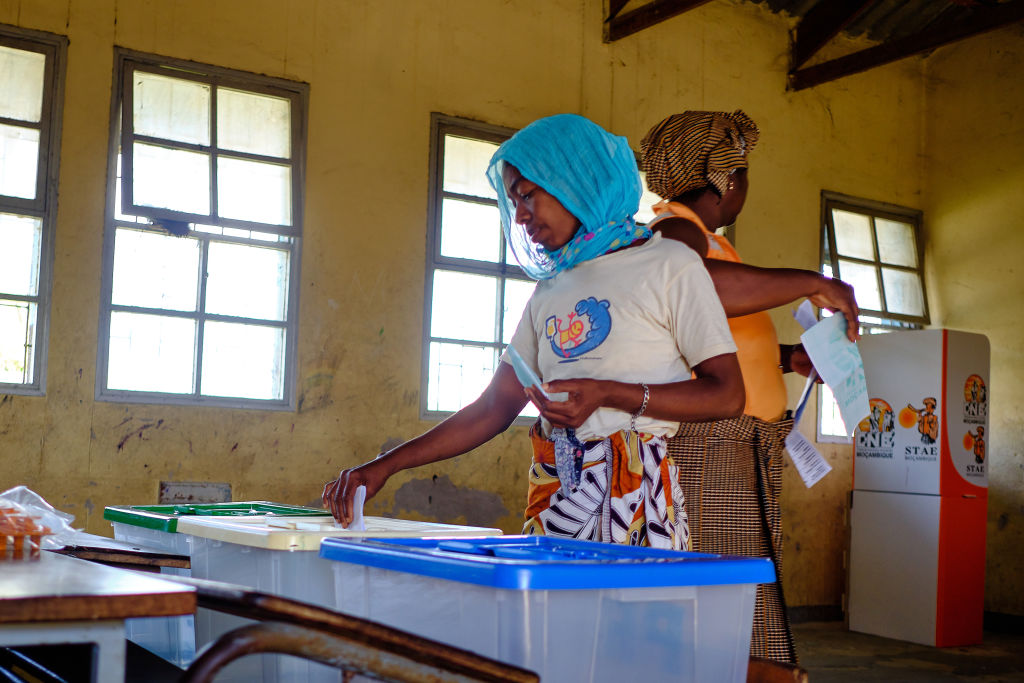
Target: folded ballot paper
column 357, row 523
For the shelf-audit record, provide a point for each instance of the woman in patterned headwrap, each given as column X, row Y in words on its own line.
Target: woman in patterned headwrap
column 619, row 320
column 731, row 470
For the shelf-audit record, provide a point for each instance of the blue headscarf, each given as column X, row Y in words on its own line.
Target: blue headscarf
column 591, row 172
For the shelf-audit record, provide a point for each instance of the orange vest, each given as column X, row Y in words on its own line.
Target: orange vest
column 757, row 346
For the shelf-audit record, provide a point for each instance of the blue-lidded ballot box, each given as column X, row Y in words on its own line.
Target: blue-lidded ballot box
column 569, row 610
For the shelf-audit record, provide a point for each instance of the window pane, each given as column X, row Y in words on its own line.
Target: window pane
column 458, row 374
column 19, row 159
column 17, row 335
column 896, row 243
column 853, row 234
column 517, row 293
column 171, row 179
column 864, row 282
column 831, row 417
column 465, row 166
column 21, row 82
column 250, row 282
column 243, row 361
column 151, row 353
column 171, row 108
column 470, row 230
column 902, row 292
column 463, row 306
column 248, row 122
column 155, row 271
column 20, row 243
column 254, row 191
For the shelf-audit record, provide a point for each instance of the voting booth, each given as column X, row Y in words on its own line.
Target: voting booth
column 917, row 524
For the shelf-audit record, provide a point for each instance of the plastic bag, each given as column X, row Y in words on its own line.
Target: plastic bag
column 28, row 507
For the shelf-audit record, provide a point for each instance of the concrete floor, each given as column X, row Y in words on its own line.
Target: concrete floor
column 831, row 654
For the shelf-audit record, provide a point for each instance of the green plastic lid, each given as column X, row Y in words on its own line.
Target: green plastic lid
column 165, row 517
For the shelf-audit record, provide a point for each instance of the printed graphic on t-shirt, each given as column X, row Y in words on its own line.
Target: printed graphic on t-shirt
column 582, row 331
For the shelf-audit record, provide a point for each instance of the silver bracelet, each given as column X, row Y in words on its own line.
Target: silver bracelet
column 643, row 407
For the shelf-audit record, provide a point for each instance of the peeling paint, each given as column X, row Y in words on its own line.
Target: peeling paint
column 439, row 498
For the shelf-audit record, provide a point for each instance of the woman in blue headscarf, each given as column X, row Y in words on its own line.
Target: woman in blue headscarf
column 624, row 330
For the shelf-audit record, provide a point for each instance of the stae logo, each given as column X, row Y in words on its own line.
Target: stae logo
column 975, row 400
column 975, row 441
column 927, row 420
column 876, row 432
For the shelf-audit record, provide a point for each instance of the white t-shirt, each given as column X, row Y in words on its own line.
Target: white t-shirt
column 645, row 314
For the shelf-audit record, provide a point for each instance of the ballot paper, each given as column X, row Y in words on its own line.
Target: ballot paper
column 528, row 378
column 838, row 361
column 810, row 463
column 357, row 523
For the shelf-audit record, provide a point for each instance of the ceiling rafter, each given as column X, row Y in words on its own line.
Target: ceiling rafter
column 655, row 12
column 822, row 23
column 983, row 19
column 937, row 23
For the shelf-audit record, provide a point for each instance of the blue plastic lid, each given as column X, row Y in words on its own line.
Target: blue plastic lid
column 546, row 563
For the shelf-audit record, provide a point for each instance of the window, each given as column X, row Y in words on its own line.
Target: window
column 31, row 83
column 201, row 253
column 876, row 248
column 475, row 289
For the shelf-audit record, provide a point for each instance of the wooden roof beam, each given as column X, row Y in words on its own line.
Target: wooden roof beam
column 821, row 24
column 614, row 7
column 984, row 18
column 655, row 12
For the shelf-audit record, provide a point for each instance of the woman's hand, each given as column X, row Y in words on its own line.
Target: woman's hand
column 838, row 297
column 339, row 494
column 585, row 396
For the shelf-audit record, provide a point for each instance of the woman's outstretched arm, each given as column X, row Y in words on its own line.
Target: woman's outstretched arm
column 474, row 425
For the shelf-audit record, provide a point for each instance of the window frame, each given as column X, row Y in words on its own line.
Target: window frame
column 126, row 62
column 875, row 209
column 44, row 205
column 440, row 126
column 829, row 254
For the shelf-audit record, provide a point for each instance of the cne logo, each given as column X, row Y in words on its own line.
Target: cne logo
column 876, row 432
column 975, row 400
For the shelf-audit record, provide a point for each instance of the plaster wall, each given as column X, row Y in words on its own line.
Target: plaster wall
column 974, row 212
column 376, row 70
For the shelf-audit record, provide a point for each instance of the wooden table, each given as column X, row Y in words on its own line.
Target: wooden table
column 60, row 599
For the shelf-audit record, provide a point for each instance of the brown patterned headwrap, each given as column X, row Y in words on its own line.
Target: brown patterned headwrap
column 695, row 149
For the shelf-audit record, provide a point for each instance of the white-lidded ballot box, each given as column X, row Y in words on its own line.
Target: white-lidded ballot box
column 274, row 550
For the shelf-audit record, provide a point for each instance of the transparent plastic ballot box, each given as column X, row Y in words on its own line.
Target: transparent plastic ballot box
column 154, row 527
column 569, row 610
column 279, row 555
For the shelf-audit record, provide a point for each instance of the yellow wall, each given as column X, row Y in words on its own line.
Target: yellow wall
column 975, row 217
column 377, row 69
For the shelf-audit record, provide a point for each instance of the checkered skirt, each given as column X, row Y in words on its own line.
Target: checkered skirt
column 731, row 475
